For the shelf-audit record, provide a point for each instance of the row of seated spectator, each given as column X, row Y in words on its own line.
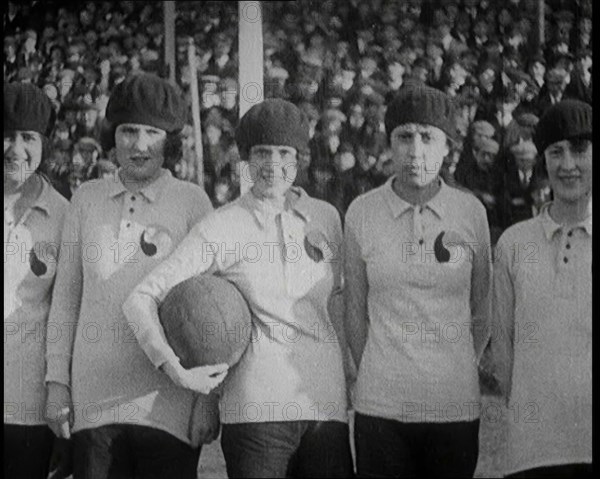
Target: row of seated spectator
column 340, row 61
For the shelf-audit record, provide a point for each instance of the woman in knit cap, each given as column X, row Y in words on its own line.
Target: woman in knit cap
column 33, row 217
column 542, row 305
column 417, row 271
column 283, row 406
column 126, row 416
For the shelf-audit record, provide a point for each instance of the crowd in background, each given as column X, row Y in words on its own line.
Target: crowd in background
column 340, row 61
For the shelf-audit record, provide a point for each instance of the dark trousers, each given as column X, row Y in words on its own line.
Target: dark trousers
column 287, row 449
column 566, row 470
column 387, row 448
column 27, row 451
column 120, row 451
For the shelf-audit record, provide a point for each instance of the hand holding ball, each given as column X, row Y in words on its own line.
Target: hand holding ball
column 206, row 321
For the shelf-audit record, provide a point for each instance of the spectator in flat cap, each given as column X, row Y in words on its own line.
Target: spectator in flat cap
column 228, row 92
column 87, row 123
column 583, row 35
column 33, row 217
column 555, row 289
column 536, row 68
column 453, row 78
column 419, row 72
column 479, row 172
column 580, row 86
column 467, row 104
column 309, row 371
column 359, row 179
column 218, row 139
column 521, row 180
column 556, row 82
column 501, row 114
column 389, row 233
column 141, row 214
column 486, row 80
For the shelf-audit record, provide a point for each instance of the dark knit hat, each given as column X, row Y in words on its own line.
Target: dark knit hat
column 148, row 100
column 272, row 122
column 27, row 108
column 421, row 104
column 568, row 119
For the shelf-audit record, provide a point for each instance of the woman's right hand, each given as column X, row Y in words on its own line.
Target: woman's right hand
column 58, row 409
column 202, row 379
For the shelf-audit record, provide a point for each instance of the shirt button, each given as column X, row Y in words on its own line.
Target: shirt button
column 570, row 233
column 128, row 225
column 421, row 210
column 421, row 241
column 131, row 210
column 565, row 259
column 133, row 198
column 568, row 246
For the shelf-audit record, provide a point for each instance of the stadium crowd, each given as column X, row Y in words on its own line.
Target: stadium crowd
column 368, row 106
column 339, row 61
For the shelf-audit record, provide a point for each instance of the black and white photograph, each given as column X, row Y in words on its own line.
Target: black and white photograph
column 285, row 239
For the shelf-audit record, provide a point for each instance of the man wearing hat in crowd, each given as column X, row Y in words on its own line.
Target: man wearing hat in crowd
column 283, row 406
column 580, row 86
column 126, row 417
column 518, row 161
column 557, row 80
column 483, row 177
column 536, row 68
column 542, row 303
column 33, row 217
column 478, row 131
column 521, row 181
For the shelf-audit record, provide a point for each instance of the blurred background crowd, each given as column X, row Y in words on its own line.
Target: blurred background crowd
column 340, row 61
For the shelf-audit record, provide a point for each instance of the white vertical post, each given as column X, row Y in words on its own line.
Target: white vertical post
column 199, row 166
column 541, row 23
column 251, row 84
column 169, row 19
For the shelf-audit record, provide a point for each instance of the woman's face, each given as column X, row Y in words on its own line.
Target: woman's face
column 140, row 151
column 418, row 153
column 273, row 169
column 569, row 165
column 22, row 156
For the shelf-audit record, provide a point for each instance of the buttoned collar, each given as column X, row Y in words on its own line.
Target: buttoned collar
column 297, row 201
column 398, row 206
column 44, row 200
column 150, row 192
column 551, row 227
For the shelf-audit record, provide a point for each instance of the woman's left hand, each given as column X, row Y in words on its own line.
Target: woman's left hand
column 205, row 424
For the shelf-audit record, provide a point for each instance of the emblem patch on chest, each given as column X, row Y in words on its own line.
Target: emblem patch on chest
column 37, row 266
column 445, row 243
column 155, row 241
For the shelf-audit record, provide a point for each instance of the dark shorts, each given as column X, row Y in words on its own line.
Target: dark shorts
column 287, row 449
column 129, row 451
column 566, row 470
column 27, row 451
column 387, row 448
